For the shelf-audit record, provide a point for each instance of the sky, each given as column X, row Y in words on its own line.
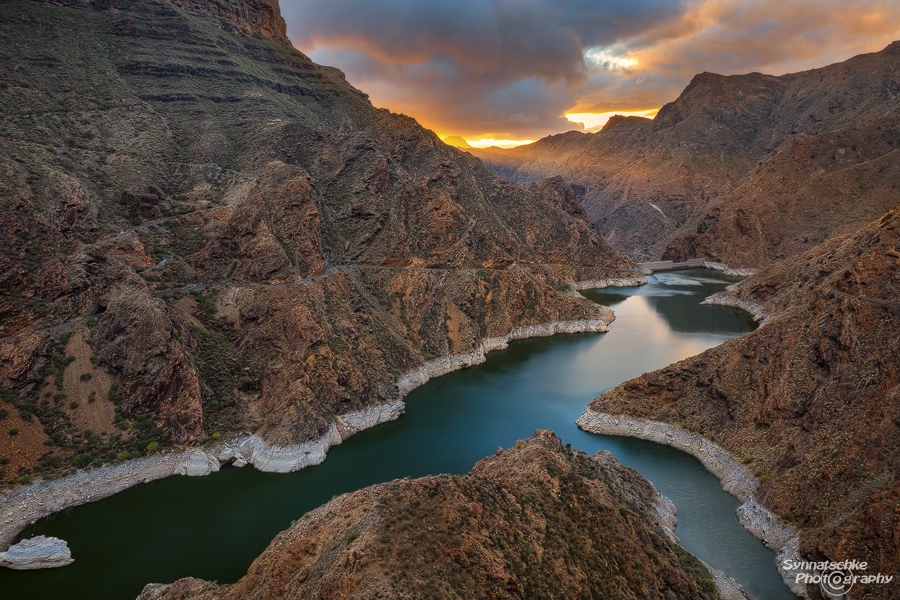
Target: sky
column 501, row 72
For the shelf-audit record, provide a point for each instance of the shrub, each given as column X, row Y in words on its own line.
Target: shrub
column 3, row 414
column 113, row 395
column 73, row 405
column 81, row 460
column 152, row 447
column 14, row 431
column 86, row 377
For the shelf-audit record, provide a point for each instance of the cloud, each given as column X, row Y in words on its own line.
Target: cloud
column 513, row 68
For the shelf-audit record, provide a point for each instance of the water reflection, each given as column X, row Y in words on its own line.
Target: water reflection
column 673, row 297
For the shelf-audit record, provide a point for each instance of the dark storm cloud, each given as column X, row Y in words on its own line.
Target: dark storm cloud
column 496, row 39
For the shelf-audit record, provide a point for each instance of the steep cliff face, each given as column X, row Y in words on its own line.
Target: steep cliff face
column 811, row 400
column 248, row 17
column 781, row 163
column 534, row 520
column 242, row 239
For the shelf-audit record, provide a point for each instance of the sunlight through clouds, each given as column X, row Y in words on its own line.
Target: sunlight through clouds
column 606, row 58
column 594, row 121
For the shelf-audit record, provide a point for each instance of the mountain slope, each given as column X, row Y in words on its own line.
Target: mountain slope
column 781, row 163
column 210, row 234
column 810, row 400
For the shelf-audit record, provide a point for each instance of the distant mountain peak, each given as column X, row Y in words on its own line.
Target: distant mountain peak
column 457, row 142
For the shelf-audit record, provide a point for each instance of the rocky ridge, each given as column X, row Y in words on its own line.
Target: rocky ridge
column 808, row 402
column 780, row 163
column 535, row 519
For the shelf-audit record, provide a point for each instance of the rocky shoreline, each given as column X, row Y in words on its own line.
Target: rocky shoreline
column 598, row 284
column 453, row 362
column 25, row 505
column 733, row 476
column 22, row 507
column 730, row 271
column 725, row 299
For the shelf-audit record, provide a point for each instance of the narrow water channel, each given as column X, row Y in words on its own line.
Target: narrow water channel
column 213, row 527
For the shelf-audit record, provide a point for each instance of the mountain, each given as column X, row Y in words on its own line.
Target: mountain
column 536, row 520
column 457, row 142
column 209, row 235
column 779, row 163
column 810, row 400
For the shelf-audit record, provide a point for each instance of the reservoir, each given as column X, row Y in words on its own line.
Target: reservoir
column 213, row 527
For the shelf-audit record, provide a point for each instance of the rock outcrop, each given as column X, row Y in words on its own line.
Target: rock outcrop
column 534, row 520
column 779, row 163
column 809, row 402
column 37, row 553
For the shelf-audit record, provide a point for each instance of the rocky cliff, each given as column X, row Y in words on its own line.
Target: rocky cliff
column 811, row 400
column 536, row 520
column 209, row 234
column 779, row 163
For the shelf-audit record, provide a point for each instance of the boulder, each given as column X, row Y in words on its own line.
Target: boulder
column 37, row 553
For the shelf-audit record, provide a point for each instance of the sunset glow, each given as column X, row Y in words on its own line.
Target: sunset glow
column 488, row 142
column 592, row 121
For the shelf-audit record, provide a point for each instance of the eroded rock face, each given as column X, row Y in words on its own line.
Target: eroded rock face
column 136, row 338
column 246, row 241
column 536, row 519
column 811, row 400
column 38, row 552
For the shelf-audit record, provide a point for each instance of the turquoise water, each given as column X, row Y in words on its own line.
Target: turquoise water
column 213, row 527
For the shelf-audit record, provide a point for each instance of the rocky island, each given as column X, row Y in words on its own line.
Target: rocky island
column 534, row 520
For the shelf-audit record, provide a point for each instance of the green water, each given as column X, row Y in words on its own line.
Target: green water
column 213, row 527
